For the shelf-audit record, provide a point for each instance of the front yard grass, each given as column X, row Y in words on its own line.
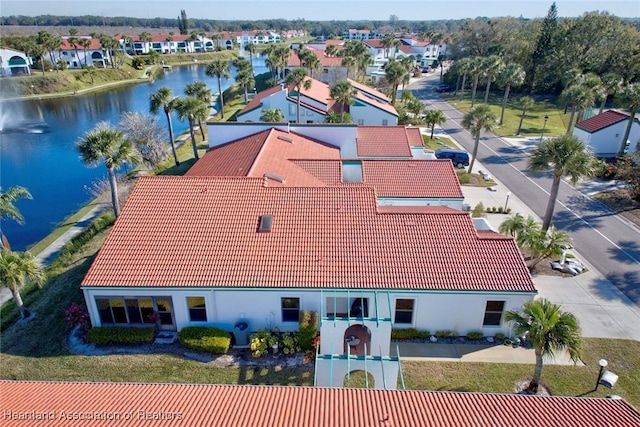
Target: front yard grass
column 533, row 120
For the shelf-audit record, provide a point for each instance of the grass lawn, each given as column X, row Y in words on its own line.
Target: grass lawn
column 533, row 120
column 438, row 141
column 37, row 350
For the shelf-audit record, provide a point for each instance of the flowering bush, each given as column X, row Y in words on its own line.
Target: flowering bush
column 290, row 343
column 76, row 316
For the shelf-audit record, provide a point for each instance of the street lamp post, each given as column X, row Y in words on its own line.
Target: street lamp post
column 507, row 201
column 603, row 364
column 546, row 118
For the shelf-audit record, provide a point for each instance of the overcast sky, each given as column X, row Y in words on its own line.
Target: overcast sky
column 317, row 10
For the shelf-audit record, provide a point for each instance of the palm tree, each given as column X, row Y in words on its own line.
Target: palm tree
column 387, row 43
column 435, row 117
column 331, row 50
column 580, row 97
column 566, row 155
column 491, row 66
column 548, row 329
column 191, row 109
column 245, row 79
column 526, row 102
column 272, row 115
column 251, row 49
column 16, row 268
column 163, row 98
column 611, row 84
column 219, row 68
column 343, row 93
column 145, row 38
column 394, row 73
column 85, row 43
column 298, row 78
column 629, row 98
column 512, row 74
column 73, row 40
column 476, row 69
column 349, row 62
column 201, row 91
column 475, row 121
column 512, row 225
column 464, row 67
column 9, row 211
column 109, row 145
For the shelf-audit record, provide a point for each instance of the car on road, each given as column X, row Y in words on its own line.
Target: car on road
column 444, row 88
column 459, row 158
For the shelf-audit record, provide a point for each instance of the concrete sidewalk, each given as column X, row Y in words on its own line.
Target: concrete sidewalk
column 434, row 352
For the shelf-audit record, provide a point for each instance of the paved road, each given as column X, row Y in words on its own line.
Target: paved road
column 607, row 241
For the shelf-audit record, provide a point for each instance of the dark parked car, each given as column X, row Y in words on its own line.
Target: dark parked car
column 459, row 158
column 444, row 88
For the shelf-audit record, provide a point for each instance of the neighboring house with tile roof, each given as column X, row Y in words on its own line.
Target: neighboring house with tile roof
column 76, row 57
column 278, row 218
column 370, row 107
column 603, row 133
column 331, row 70
column 14, row 62
column 195, row 405
column 353, row 34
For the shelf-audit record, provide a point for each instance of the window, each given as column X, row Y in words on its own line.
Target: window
column 325, row 71
column 290, row 309
column 360, row 122
column 292, row 109
column 493, row 313
column 404, row 311
column 385, row 122
column 337, row 307
column 135, row 310
column 197, row 309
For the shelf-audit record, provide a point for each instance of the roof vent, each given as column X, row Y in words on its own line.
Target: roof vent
column 273, row 177
column 266, row 221
column 285, row 138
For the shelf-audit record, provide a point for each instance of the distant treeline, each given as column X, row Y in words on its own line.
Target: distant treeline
column 316, row 28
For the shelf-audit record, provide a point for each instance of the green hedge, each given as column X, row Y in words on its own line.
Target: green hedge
column 120, row 335
column 408, row 334
column 202, row 338
column 476, row 335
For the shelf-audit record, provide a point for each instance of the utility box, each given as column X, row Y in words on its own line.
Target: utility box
column 241, row 333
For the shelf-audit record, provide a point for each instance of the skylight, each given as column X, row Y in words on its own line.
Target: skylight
column 266, row 221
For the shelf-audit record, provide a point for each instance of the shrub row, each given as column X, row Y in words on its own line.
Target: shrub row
column 202, row 338
column 497, row 209
column 408, row 334
column 120, row 335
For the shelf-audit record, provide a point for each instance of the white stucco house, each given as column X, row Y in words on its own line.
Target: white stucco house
column 353, row 34
column 14, row 62
column 603, row 133
column 77, row 56
column 331, row 68
column 370, row 107
column 280, row 218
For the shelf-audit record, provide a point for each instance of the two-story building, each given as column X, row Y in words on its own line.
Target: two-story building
column 370, row 107
column 14, row 62
column 77, row 56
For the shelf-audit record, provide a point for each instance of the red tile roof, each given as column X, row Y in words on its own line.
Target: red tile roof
column 384, row 141
column 267, row 152
column 602, row 121
column 256, row 102
column 196, row 405
column 324, row 237
column 395, row 178
column 376, row 44
column 415, row 137
column 326, row 61
column 95, row 45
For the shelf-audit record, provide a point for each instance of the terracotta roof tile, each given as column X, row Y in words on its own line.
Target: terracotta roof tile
column 383, row 141
column 326, row 61
column 95, row 45
column 395, row 178
column 415, row 137
column 324, row 237
column 196, row 405
column 602, row 121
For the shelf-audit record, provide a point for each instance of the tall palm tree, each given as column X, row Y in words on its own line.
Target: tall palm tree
column 9, row 211
column 298, row 78
column 387, row 42
column 549, row 330
column 511, row 74
column 16, row 268
column 475, row 121
column 110, row 146
column 250, row 48
column 85, row 43
column 512, row 225
column 272, row 115
column 611, row 84
column 526, row 102
column 629, row 98
column 491, row 66
column 343, row 93
column 475, row 70
column 435, row 117
column 394, row 73
column 191, row 109
column 163, row 98
column 219, row 68
column 566, row 156
column 580, row 97
column 201, row 91
column 73, row 40
column 464, row 67
column 245, row 79
column 331, row 50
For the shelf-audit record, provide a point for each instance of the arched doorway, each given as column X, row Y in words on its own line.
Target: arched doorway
column 359, row 379
column 357, row 338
